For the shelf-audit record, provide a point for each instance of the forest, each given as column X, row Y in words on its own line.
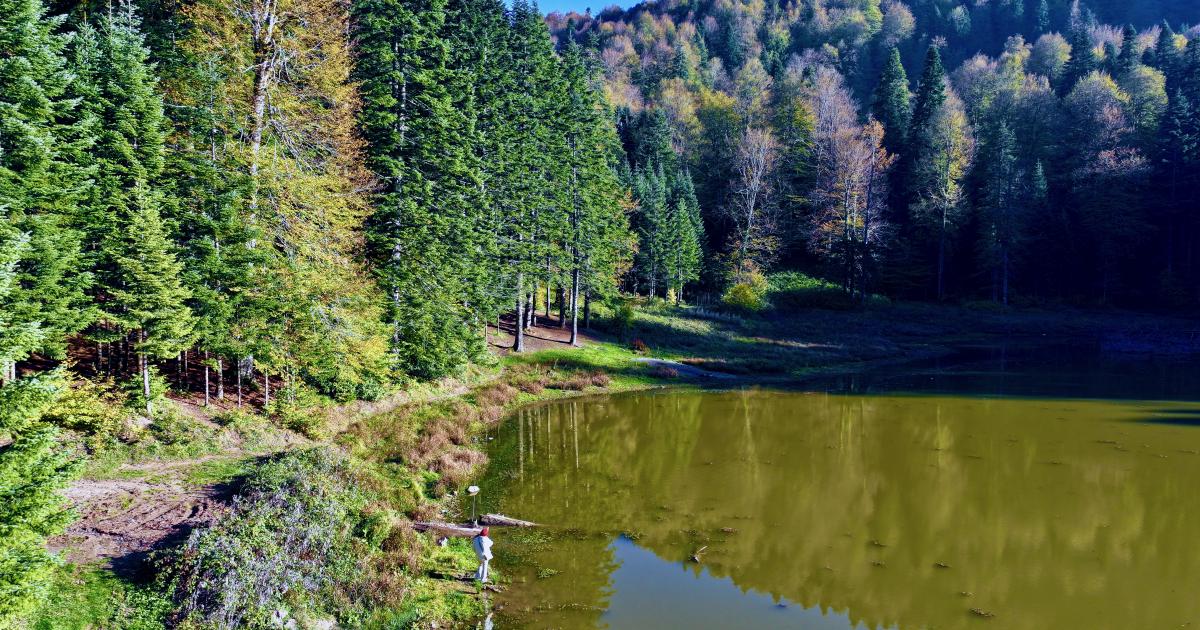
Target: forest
column 325, row 201
column 1034, row 152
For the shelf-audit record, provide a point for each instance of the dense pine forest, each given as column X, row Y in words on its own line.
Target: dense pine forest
column 303, row 202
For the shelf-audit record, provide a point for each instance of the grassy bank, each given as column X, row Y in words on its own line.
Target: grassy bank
column 356, row 476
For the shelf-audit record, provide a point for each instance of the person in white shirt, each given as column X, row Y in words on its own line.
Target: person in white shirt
column 483, row 552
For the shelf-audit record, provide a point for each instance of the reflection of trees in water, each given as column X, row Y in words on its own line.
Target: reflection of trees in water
column 1037, row 516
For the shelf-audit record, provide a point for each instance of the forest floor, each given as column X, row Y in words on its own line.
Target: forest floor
column 135, row 499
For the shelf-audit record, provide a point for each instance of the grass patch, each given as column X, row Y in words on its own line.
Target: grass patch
column 90, row 596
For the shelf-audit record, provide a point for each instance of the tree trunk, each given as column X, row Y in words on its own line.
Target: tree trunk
column 262, row 26
column 531, row 311
column 266, row 390
column 145, row 367
column 519, row 320
column 206, row 401
column 575, row 307
column 587, row 310
column 220, row 379
column 562, row 306
column 239, row 384
column 548, row 268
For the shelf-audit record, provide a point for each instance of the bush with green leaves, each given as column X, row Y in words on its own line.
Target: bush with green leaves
column 298, row 536
column 623, row 318
column 791, row 290
column 94, row 409
column 747, row 296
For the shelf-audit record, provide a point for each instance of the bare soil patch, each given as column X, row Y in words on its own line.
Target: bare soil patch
column 546, row 334
column 122, row 521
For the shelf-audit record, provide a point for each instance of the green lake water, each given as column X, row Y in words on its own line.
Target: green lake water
column 887, row 502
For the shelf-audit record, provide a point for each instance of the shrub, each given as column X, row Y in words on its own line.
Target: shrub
column 747, row 296
column 600, row 379
column 371, row 389
column 495, row 395
column 295, row 540
column 663, row 371
column 790, row 290
column 640, row 346
column 94, row 409
column 623, row 318
column 531, row 386
column 171, row 428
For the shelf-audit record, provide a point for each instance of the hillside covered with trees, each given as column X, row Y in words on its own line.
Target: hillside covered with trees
column 281, row 205
column 1010, row 150
column 313, row 200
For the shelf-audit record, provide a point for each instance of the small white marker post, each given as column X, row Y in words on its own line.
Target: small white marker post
column 473, row 491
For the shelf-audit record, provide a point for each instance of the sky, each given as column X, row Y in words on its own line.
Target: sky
column 550, row 6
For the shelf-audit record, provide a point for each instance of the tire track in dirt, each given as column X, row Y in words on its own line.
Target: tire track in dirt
column 121, row 521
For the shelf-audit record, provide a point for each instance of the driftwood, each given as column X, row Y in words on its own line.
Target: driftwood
column 447, row 529
column 467, row 531
column 500, row 520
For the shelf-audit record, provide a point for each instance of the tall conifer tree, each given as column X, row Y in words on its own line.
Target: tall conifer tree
column 892, row 106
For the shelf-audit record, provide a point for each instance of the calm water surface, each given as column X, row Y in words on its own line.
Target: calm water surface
column 858, row 510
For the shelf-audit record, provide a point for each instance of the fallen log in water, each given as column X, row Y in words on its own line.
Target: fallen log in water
column 500, row 520
column 447, row 529
column 467, row 531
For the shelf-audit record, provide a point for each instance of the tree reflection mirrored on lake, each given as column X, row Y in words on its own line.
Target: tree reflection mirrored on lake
column 828, row 510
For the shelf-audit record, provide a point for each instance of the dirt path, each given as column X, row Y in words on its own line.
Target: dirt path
column 121, row 521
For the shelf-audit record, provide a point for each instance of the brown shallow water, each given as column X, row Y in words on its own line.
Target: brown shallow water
column 824, row 510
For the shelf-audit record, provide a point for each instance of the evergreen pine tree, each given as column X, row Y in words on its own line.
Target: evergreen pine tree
column 652, row 224
column 208, row 186
column 687, row 236
column 1043, row 16
column 535, row 198
column 1001, row 208
column 598, row 232
column 654, row 142
column 149, row 299
column 891, row 106
column 422, row 232
column 1083, row 58
column 39, row 184
column 929, row 100
column 1166, row 56
column 1127, row 58
column 33, row 466
column 129, row 153
column 940, row 148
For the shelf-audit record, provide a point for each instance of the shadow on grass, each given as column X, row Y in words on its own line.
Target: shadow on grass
column 1175, row 417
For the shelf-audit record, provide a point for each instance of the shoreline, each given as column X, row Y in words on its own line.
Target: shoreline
column 438, row 430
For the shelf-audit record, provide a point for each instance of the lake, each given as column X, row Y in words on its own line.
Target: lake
column 987, row 492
